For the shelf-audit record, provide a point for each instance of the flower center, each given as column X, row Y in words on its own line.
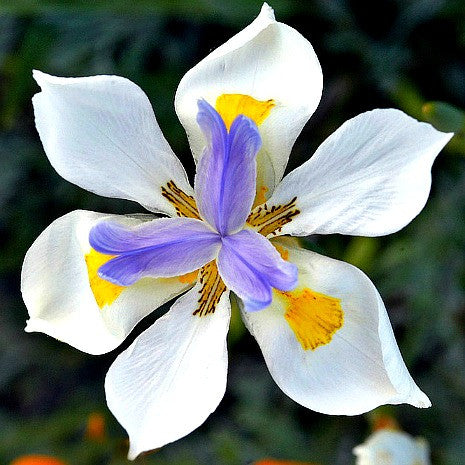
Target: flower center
column 221, row 251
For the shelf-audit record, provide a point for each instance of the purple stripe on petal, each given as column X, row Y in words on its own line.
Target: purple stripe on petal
column 226, row 172
column 160, row 248
column 250, row 266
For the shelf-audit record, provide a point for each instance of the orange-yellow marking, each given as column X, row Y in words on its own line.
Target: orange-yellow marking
column 282, row 251
column 231, row 105
column 211, row 291
column 313, row 317
column 261, row 195
column 105, row 293
column 188, row 278
column 184, row 204
column 269, row 220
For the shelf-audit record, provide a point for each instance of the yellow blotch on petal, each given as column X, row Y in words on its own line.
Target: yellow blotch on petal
column 188, row 278
column 105, row 293
column 231, row 105
column 313, row 317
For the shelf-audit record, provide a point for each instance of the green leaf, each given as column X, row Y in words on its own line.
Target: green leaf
column 18, row 68
column 444, row 116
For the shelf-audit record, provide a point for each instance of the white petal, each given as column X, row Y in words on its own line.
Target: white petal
column 266, row 60
column 100, row 133
column 360, row 368
column 56, row 290
column 392, row 448
column 370, row 178
column 172, row 377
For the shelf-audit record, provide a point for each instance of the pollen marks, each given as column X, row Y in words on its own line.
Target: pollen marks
column 212, row 288
column 313, row 317
column 270, row 220
column 184, row 204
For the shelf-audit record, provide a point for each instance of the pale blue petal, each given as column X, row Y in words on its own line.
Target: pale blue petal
column 226, row 172
column 250, row 266
column 160, row 248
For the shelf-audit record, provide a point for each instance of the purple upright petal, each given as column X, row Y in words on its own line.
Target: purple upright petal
column 160, row 248
column 226, row 172
column 250, row 266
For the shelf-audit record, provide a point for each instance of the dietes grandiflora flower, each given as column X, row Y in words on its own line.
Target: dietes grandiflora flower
column 392, row 447
column 323, row 329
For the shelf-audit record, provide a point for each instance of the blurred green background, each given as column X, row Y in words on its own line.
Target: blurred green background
column 387, row 53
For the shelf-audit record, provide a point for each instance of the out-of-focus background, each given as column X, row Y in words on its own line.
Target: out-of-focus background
column 404, row 54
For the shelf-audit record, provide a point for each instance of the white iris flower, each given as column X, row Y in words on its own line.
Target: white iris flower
column 391, row 447
column 322, row 327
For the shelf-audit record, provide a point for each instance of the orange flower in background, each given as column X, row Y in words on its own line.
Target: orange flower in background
column 388, row 444
column 385, row 422
column 37, row 460
column 281, row 462
column 95, row 427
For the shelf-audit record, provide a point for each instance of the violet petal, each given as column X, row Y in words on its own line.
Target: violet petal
column 226, row 172
column 160, row 248
column 250, row 266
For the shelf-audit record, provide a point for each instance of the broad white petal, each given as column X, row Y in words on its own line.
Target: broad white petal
column 392, row 448
column 172, row 377
column 56, row 289
column 100, row 133
column 360, row 368
column 371, row 177
column 266, row 60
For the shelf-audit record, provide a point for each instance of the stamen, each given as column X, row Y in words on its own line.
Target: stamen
column 211, row 290
column 268, row 220
column 184, row 204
